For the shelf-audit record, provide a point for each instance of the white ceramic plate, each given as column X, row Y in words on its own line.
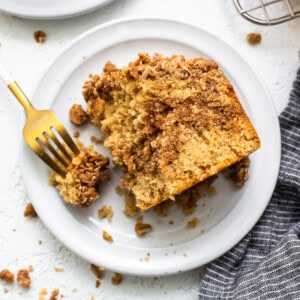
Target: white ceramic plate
column 50, row 9
column 224, row 219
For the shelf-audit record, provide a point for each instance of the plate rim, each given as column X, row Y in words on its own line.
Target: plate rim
column 64, row 14
column 271, row 104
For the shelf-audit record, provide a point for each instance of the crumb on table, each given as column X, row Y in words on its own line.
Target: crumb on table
column 7, row 275
column 117, row 279
column 59, row 269
column 40, row 36
column 77, row 115
column 43, row 292
column 54, row 294
column 253, row 38
column 30, row 211
column 23, row 278
column 97, row 283
column 98, row 271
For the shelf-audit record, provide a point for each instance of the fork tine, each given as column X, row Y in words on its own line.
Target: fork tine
column 53, row 137
column 47, row 159
column 45, row 142
column 67, row 139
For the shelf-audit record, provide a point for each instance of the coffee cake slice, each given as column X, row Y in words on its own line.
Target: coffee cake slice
column 169, row 122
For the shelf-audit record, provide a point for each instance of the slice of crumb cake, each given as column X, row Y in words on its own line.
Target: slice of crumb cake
column 169, row 122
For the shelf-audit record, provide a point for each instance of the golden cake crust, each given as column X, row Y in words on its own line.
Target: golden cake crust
column 170, row 122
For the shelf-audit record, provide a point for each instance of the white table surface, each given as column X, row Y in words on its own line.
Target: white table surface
column 275, row 60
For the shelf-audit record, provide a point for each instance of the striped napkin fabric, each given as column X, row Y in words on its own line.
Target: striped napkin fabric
column 266, row 263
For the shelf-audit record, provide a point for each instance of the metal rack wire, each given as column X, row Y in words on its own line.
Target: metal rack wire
column 268, row 12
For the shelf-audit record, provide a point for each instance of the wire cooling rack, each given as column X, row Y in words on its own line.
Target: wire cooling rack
column 268, row 12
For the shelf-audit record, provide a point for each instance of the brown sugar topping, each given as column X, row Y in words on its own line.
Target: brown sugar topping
column 7, row 275
column 23, row 278
column 169, row 122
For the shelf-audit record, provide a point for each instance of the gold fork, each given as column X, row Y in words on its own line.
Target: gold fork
column 43, row 132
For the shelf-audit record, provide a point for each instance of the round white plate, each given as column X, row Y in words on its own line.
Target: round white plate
column 50, row 9
column 224, row 219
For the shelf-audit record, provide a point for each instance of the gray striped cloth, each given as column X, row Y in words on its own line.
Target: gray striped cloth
column 266, row 263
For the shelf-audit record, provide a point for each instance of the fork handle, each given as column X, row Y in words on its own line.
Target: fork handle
column 15, row 89
column 5, row 75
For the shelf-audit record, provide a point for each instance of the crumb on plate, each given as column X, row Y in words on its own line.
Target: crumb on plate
column 106, row 212
column 142, row 228
column 106, row 236
column 193, row 223
column 77, row 115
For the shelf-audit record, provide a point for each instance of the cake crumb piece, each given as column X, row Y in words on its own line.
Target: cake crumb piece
column 59, row 269
column 40, row 242
column 84, row 176
column 30, row 268
column 76, row 134
column 92, row 297
column 253, row 38
column 106, row 236
column 239, row 172
column 30, row 211
column 43, row 292
column 106, row 212
column 23, row 278
column 5, row 290
column 7, row 275
column 98, row 271
column 77, row 115
column 40, row 36
column 97, row 140
column 142, row 228
column 117, row 279
column 193, row 223
column 54, row 294
column 97, row 283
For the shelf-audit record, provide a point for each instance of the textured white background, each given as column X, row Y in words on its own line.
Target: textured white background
column 275, row 60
